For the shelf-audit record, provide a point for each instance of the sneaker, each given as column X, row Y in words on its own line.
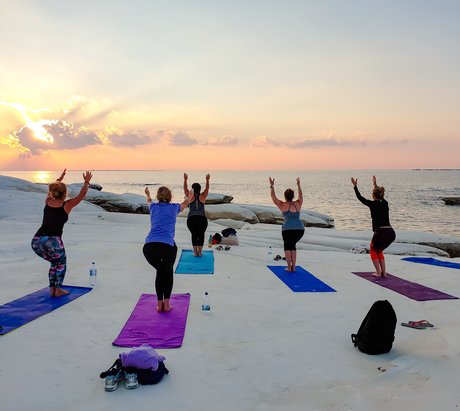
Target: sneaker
column 111, row 381
column 113, row 376
column 131, row 380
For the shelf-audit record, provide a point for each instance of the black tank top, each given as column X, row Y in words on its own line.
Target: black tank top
column 54, row 219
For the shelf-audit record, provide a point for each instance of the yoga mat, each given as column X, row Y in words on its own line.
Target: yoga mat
column 301, row 280
column 25, row 309
column 189, row 264
column 409, row 289
column 146, row 325
column 432, row 261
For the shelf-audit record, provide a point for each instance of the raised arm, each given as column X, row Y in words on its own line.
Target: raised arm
column 275, row 200
column 62, row 175
column 187, row 201
column 374, row 181
column 147, row 193
column 81, row 195
column 186, row 190
column 300, row 200
column 49, row 196
column 363, row 200
column 205, row 193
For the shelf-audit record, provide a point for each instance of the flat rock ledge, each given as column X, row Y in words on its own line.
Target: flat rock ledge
column 451, row 200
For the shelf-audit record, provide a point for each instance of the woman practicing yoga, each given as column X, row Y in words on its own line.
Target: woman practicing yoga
column 160, row 250
column 384, row 234
column 47, row 242
column 197, row 221
column 293, row 228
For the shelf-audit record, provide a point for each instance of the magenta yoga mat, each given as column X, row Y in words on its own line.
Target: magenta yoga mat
column 160, row 330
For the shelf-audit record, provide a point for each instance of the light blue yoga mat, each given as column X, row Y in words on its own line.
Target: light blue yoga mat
column 25, row 309
column 300, row 281
column 432, row 261
column 189, row 264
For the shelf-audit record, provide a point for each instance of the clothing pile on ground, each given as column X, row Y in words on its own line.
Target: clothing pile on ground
column 142, row 365
column 228, row 236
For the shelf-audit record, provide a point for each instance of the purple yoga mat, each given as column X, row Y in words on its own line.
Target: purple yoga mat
column 160, row 330
column 412, row 290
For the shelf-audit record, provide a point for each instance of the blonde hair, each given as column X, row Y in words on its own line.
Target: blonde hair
column 378, row 193
column 58, row 190
column 164, row 195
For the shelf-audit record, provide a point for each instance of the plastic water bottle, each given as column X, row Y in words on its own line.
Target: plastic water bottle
column 210, row 241
column 92, row 274
column 270, row 253
column 205, row 305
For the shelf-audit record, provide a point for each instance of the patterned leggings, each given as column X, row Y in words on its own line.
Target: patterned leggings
column 52, row 249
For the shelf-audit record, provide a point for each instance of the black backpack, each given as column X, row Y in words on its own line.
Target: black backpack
column 377, row 331
column 226, row 232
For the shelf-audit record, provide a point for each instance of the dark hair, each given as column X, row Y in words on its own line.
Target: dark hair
column 289, row 194
column 196, row 188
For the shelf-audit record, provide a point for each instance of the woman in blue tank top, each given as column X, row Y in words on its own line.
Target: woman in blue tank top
column 292, row 229
column 197, row 221
column 47, row 242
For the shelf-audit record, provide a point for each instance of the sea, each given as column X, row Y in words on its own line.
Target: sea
column 415, row 196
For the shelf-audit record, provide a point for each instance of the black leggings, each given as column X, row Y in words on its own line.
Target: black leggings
column 162, row 257
column 290, row 238
column 197, row 224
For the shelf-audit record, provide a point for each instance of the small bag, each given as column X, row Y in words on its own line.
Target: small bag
column 149, row 377
column 377, row 331
column 216, row 238
column 228, row 231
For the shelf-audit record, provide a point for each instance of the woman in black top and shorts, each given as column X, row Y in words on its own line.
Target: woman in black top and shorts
column 197, row 222
column 384, row 234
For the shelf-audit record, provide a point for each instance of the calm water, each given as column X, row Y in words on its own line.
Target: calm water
column 414, row 195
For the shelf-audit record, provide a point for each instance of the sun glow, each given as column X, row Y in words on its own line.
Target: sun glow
column 37, row 127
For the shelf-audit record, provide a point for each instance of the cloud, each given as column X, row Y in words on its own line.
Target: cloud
column 324, row 142
column 130, row 138
column 181, row 139
column 222, row 141
column 66, row 136
column 263, row 141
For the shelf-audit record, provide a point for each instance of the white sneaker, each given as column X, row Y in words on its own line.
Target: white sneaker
column 131, row 380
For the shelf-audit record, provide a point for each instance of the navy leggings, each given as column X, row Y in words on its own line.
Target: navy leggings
column 162, row 257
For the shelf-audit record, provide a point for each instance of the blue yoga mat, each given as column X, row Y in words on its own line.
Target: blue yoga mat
column 28, row 308
column 300, row 280
column 189, row 264
column 432, row 261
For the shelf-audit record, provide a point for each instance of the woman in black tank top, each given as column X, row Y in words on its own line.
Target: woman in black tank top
column 197, row 221
column 47, row 242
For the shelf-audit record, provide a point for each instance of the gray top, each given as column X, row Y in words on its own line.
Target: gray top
column 196, row 208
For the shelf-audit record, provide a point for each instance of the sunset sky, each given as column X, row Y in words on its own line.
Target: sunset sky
column 263, row 84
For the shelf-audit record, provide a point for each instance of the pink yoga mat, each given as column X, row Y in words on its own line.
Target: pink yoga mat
column 408, row 288
column 160, row 330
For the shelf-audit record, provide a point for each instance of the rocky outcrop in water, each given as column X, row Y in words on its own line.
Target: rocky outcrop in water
column 451, row 200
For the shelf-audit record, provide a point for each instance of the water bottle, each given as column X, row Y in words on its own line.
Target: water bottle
column 205, row 305
column 92, row 274
column 210, row 241
column 270, row 253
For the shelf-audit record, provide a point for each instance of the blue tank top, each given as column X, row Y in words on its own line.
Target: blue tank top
column 292, row 220
column 196, row 207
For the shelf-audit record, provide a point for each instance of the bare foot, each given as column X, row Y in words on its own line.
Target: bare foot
column 53, row 291
column 288, row 269
column 59, row 292
column 167, row 307
column 376, row 275
column 160, row 306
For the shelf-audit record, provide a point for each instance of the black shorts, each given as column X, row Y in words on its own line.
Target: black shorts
column 291, row 238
